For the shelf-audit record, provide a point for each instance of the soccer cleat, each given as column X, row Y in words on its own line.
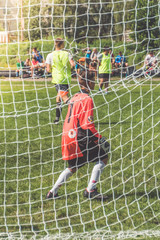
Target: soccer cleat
column 56, row 121
column 94, row 195
column 106, row 93
column 50, row 195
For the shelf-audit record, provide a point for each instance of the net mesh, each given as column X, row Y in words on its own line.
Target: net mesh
column 30, row 145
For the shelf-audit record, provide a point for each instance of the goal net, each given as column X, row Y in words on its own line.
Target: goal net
column 128, row 116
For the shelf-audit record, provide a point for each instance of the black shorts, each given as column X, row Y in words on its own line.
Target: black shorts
column 62, row 87
column 104, row 75
column 93, row 154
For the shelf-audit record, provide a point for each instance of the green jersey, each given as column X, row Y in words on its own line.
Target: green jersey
column 20, row 64
column 106, row 66
column 61, row 68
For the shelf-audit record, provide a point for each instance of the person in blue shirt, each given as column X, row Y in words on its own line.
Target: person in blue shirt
column 88, row 55
column 39, row 57
column 36, row 54
column 120, row 61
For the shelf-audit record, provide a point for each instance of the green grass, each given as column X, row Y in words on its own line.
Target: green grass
column 30, row 161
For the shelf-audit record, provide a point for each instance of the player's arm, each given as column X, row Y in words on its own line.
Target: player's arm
column 99, row 58
column 87, row 121
column 72, row 63
column 48, row 68
column 92, row 132
column 48, row 62
column 88, row 124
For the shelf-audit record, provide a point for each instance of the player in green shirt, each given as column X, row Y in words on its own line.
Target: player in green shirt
column 105, row 68
column 60, row 61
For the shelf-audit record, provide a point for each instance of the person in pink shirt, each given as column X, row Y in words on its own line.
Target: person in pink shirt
column 35, row 65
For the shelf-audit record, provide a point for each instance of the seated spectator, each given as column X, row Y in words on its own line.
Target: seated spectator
column 94, row 55
column 20, row 66
column 34, row 51
column 150, row 60
column 93, row 68
column 120, row 61
column 42, row 71
column 35, row 65
column 27, row 68
column 39, row 57
column 27, row 64
column 35, row 62
column 81, row 64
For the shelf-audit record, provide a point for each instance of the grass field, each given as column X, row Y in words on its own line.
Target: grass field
column 30, row 162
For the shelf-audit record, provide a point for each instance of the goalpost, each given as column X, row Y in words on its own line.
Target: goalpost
column 128, row 116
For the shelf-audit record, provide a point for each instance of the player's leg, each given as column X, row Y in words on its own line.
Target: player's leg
column 73, row 165
column 53, row 193
column 101, row 84
column 106, row 83
column 98, row 155
column 58, row 108
column 65, row 98
column 96, row 172
column 62, row 95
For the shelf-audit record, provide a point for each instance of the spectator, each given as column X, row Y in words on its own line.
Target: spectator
column 34, row 51
column 20, row 66
column 27, row 64
column 120, row 61
column 105, row 68
column 35, row 65
column 81, row 65
column 39, row 57
column 93, row 68
column 88, row 55
column 150, row 60
column 94, row 55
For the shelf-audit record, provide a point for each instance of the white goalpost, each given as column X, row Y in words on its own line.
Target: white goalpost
column 128, row 117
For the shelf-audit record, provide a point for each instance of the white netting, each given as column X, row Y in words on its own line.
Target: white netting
column 30, row 145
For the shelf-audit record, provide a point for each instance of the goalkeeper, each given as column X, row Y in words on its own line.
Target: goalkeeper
column 81, row 143
column 61, row 62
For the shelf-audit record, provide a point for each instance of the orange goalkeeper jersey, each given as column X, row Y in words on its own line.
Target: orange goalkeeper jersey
column 78, row 126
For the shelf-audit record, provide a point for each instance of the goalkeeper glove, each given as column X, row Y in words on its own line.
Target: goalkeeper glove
column 104, row 144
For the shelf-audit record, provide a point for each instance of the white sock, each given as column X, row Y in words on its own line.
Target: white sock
column 61, row 179
column 96, row 172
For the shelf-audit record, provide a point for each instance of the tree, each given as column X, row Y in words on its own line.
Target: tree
column 144, row 23
column 83, row 20
column 76, row 21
